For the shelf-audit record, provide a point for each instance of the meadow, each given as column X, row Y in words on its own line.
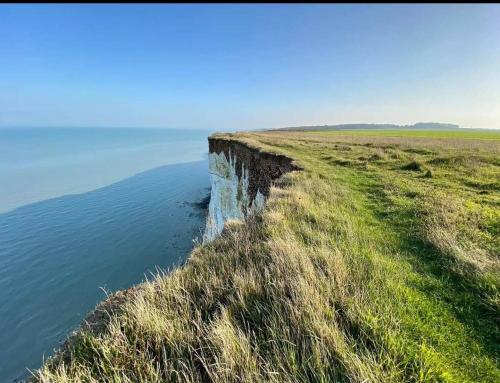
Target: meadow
column 481, row 134
column 378, row 262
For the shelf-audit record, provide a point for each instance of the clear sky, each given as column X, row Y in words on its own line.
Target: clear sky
column 248, row 66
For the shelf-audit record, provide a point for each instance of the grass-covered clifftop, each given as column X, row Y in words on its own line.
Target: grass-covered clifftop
column 376, row 263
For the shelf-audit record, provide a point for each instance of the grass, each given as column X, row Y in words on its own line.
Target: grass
column 483, row 134
column 357, row 271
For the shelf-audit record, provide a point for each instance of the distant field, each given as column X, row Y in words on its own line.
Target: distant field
column 472, row 134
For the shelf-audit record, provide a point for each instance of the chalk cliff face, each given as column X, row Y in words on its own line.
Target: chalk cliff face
column 241, row 178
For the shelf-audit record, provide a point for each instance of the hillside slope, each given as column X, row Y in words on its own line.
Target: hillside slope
column 378, row 262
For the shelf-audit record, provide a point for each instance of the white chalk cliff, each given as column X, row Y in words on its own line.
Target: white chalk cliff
column 229, row 197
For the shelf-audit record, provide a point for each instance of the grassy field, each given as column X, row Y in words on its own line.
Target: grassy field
column 376, row 263
column 464, row 133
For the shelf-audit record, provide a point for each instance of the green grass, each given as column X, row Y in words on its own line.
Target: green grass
column 376, row 263
column 465, row 133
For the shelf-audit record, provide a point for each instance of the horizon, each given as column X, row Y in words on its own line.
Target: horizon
column 247, row 67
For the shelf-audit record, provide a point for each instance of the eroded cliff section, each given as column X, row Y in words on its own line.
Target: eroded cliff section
column 241, row 177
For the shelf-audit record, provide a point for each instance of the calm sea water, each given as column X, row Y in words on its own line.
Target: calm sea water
column 84, row 210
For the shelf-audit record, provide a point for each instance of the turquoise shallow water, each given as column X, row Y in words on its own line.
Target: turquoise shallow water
column 56, row 254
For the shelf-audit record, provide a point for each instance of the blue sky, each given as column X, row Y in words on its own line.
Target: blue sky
column 248, row 66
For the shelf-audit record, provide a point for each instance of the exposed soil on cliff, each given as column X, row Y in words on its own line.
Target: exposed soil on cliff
column 262, row 167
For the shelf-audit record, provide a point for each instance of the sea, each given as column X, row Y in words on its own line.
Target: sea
column 85, row 212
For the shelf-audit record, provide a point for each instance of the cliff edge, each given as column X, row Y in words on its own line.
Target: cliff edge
column 240, row 177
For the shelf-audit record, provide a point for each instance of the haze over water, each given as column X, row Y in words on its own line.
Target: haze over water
column 41, row 163
column 83, row 209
